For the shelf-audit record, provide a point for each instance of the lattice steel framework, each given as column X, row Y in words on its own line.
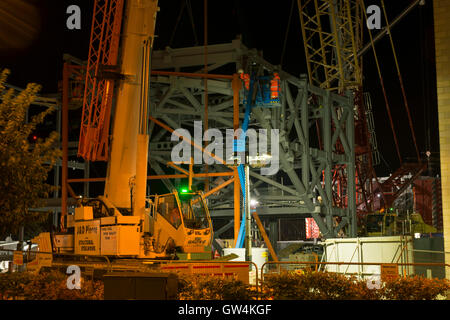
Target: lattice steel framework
column 99, row 85
column 332, row 34
column 306, row 171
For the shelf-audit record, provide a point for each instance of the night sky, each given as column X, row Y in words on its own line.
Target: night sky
column 262, row 25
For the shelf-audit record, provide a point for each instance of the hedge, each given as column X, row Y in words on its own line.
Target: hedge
column 200, row 287
column 312, row 285
column 307, row 285
column 46, row 286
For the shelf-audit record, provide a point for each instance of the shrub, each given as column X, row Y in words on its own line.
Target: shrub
column 12, row 285
column 24, row 164
column 307, row 285
column 201, row 287
column 362, row 291
column 333, row 286
column 285, row 286
column 312, row 285
column 46, row 286
column 415, row 288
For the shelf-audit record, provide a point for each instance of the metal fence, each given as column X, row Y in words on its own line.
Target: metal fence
column 321, row 266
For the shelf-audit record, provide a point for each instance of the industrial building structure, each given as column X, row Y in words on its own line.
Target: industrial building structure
column 442, row 41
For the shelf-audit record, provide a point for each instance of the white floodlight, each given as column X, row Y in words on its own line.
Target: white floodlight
column 253, row 202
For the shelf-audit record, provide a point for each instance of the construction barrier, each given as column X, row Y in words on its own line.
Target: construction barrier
column 227, row 269
column 35, row 260
column 385, row 269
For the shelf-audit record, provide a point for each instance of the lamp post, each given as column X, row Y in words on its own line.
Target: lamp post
column 248, row 239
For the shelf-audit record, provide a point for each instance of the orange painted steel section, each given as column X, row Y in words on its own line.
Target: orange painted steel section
column 65, row 141
column 71, row 192
column 68, row 70
column 220, row 186
column 213, row 174
column 166, row 127
column 173, row 165
column 265, row 237
column 191, row 173
column 98, row 92
column 191, row 75
column 165, row 176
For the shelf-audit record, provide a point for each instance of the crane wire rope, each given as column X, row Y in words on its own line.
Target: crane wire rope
column 400, row 78
column 286, row 35
column 187, row 4
column 191, row 17
column 425, row 74
column 183, row 3
column 382, row 86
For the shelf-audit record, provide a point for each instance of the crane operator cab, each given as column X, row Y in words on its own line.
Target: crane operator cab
column 381, row 224
column 194, row 211
column 180, row 226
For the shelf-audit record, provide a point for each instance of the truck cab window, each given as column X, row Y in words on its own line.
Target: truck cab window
column 168, row 208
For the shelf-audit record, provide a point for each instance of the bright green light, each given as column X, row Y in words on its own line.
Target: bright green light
column 184, row 190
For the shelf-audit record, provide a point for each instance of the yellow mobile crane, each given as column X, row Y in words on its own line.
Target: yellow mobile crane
column 124, row 222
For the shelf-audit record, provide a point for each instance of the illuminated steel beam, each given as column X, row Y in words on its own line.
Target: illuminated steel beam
column 98, row 92
column 155, row 177
column 223, row 185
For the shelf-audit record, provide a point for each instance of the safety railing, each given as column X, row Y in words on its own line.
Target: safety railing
column 29, row 253
column 423, row 255
column 172, row 263
column 143, row 265
column 316, row 265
